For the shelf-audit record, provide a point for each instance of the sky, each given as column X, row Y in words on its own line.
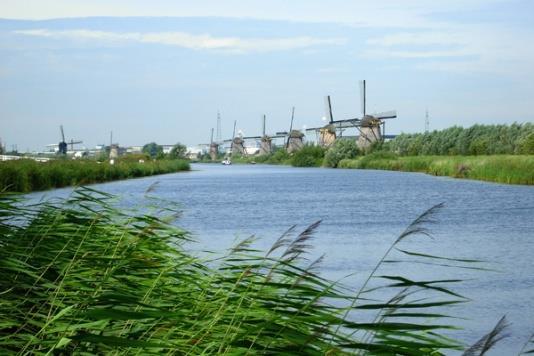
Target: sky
column 161, row 70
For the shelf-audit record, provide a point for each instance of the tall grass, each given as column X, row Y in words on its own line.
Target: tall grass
column 78, row 276
column 510, row 169
column 28, row 175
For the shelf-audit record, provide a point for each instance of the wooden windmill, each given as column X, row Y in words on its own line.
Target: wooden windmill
column 265, row 139
column 326, row 134
column 371, row 127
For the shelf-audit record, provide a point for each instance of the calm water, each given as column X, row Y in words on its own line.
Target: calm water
column 362, row 213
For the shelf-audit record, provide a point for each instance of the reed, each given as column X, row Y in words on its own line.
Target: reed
column 510, row 169
column 79, row 276
column 27, row 175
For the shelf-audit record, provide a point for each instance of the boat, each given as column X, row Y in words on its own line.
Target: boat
column 226, row 162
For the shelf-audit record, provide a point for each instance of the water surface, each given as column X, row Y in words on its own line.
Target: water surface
column 362, row 212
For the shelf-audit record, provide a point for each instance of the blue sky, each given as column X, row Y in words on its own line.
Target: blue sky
column 160, row 70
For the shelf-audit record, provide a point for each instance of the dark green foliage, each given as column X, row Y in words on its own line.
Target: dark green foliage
column 526, row 144
column 475, row 140
column 178, row 152
column 308, row 156
column 153, row 150
column 79, row 277
column 342, row 149
column 26, row 175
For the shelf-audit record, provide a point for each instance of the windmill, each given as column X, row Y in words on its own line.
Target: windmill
column 327, row 133
column 113, row 147
column 294, row 137
column 237, row 143
column 214, row 146
column 62, row 145
column 265, row 139
column 371, row 127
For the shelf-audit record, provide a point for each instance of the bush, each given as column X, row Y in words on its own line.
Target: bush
column 308, row 156
column 342, row 149
column 526, row 145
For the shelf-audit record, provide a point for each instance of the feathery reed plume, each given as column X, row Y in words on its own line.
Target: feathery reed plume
column 299, row 245
column 489, row 340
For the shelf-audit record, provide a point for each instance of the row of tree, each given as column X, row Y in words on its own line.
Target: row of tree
column 475, row 140
column 156, row 151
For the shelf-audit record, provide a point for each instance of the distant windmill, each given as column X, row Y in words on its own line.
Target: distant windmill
column 62, row 146
column 327, row 133
column 371, row 127
column 294, row 137
column 237, row 143
column 113, row 147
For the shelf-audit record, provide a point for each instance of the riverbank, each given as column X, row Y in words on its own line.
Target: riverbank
column 26, row 175
column 509, row 169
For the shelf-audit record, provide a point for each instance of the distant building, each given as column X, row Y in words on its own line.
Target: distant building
column 194, row 152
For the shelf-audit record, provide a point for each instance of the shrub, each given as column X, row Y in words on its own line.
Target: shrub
column 308, row 156
column 342, row 149
column 526, row 145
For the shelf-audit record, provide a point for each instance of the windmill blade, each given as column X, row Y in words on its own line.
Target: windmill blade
column 62, row 133
column 363, row 98
column 290, row 126
column 328, row 109
column 385, row 115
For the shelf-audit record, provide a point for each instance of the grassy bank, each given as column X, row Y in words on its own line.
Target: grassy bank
column 28, row 175
column 79, row 277
column 510, row 169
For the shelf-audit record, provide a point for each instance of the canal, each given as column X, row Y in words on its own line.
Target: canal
column 362, row 213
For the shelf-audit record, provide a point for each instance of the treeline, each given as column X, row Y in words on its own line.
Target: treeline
column 475, row 140
column 27, row 175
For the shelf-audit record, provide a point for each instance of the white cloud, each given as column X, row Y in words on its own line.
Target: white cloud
column 418, row 54
column 187, row 40
column 377, row 13
column 418, row 39
column 461, row 48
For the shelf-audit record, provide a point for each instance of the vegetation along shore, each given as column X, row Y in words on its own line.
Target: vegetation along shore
column 495, row 153
column 26, row 175
column 80, row 277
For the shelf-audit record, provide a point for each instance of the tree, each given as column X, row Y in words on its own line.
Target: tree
column 178, row 151
column 153, row 150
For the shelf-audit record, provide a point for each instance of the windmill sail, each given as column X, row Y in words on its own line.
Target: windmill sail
column 328, row 109
column 363, row 99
